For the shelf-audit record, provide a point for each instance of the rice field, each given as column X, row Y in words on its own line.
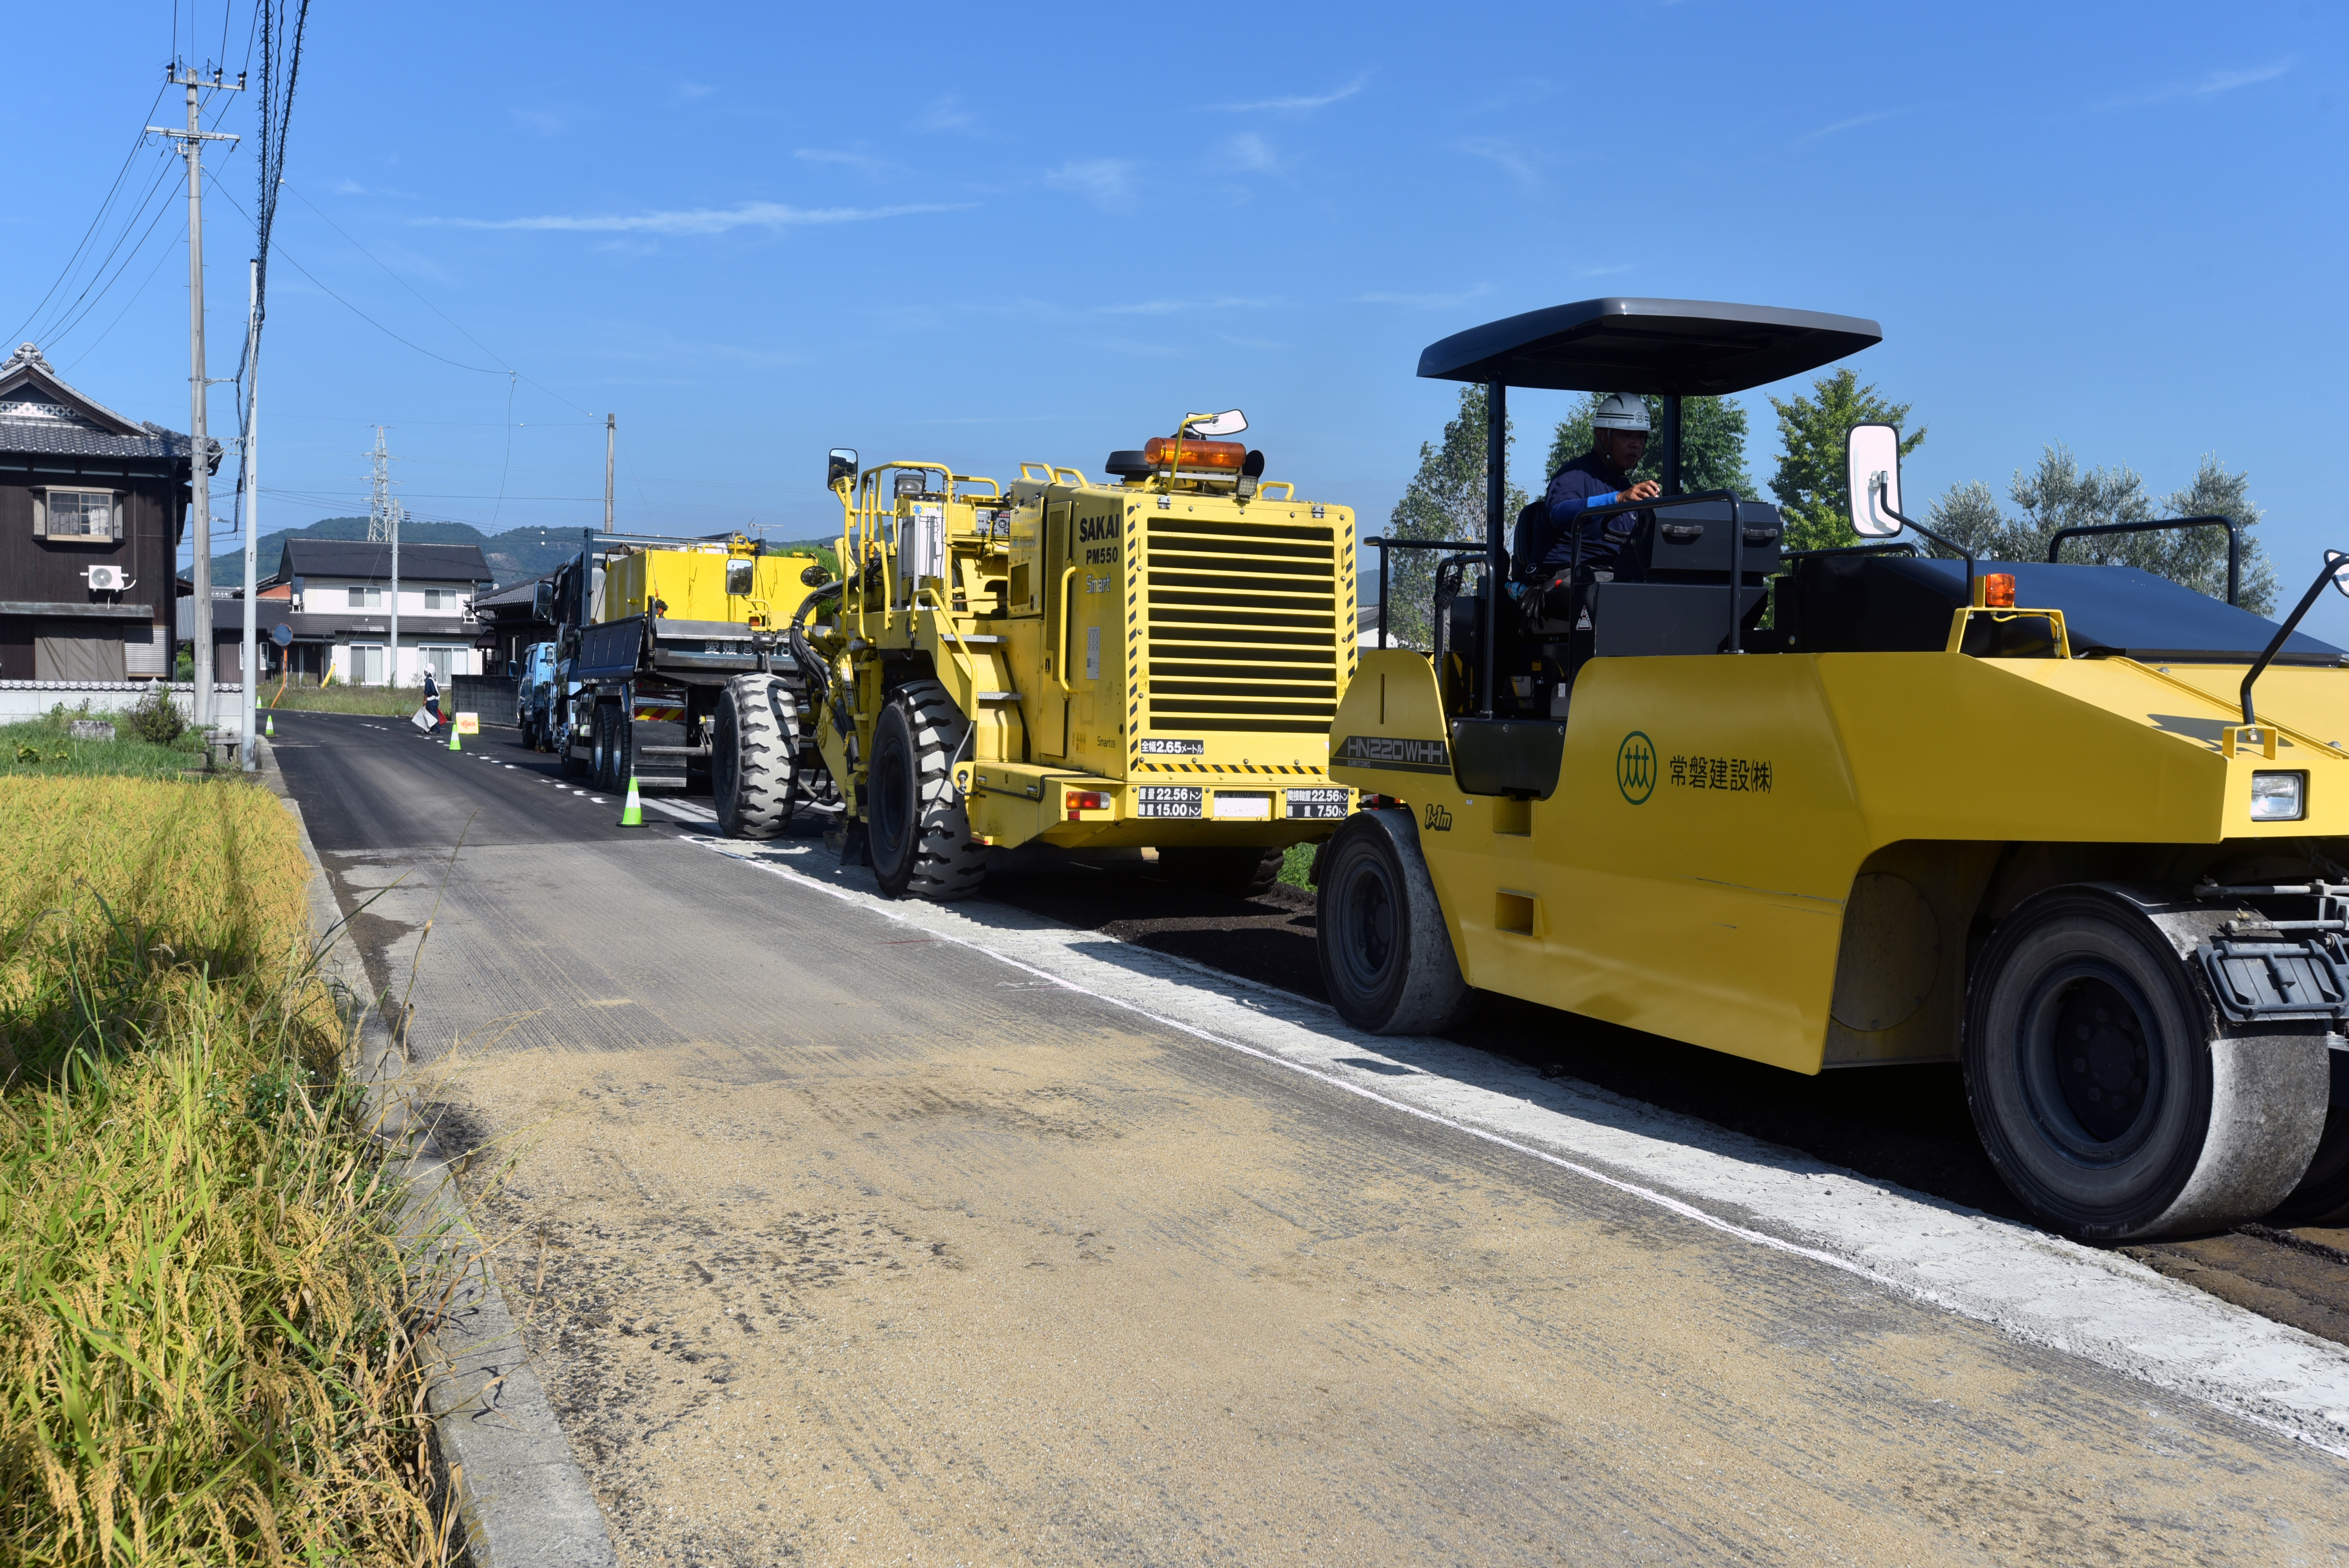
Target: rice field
column 204, row 1350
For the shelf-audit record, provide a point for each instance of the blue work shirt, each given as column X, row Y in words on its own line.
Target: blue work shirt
column 1589, row 481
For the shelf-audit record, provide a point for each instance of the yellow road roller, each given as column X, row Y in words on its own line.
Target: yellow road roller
column 2082, row 829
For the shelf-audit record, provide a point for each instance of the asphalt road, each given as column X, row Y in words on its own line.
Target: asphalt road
column 846, row 1242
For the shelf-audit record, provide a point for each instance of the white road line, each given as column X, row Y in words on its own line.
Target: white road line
column 2037, row 1287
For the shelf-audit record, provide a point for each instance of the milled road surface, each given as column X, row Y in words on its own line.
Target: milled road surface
column 845, row 1244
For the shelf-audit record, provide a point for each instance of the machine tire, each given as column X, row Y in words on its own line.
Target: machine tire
column 919, row 832
column 567, row 759
column 2105, row 1090
column 1242, row 872
column 613, row 737
column 754, row 743
column 1386, row 954
column 2322, row 1196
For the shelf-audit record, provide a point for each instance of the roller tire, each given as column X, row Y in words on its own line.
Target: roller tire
column 1386, row 955
column 567, row 757
column 2107, row 1093
column 919, row 830
column 1244, row 871
column 754, row 745
column 2322, row 1196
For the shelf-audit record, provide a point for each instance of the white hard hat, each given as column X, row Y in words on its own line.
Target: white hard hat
column 1621, row 412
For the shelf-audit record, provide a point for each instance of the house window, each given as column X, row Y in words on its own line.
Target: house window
column 365, row 667
column 79, row 514
column 366, row 598
column 441, row 662
column 440, row 599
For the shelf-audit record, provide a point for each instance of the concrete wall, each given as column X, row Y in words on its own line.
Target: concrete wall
column 21, row 700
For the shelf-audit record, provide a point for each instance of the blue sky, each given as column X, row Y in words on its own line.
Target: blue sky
column 986, row 234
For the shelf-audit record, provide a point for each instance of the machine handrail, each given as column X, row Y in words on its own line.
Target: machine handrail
column 2234, row 542
column 1381, row 543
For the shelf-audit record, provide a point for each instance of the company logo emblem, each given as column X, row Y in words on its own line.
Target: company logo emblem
column 1635, row 768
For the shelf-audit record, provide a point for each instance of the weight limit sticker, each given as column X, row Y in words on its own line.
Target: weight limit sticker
column 1168, row 800
column 1315, row 804
column 1157, row 745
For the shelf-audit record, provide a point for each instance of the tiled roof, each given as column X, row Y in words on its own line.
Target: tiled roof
column 40, row 416
column 370, row 559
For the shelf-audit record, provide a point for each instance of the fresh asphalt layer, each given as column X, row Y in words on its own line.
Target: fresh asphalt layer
column 858, row 1229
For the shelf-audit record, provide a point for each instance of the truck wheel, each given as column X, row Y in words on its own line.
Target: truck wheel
column 1386, row 956
column 1242, row 872
column 754, row 745
column 2322, row 1196
column 2105, row 1090
column 610, row 764
column 919, row 832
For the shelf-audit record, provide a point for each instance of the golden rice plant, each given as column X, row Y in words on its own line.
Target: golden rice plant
column 203, row 1355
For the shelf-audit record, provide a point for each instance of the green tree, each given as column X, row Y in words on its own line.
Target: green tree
column 2057, row 493
column 1713, row 443
column 1814, row 497
column 1444, row 500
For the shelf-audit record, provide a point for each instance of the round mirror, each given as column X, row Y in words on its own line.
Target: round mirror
column 2340, row 565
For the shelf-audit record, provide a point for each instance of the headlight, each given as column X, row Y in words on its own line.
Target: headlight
column 2279, row 797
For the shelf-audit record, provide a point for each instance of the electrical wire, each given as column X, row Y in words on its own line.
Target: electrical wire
column 111, row 191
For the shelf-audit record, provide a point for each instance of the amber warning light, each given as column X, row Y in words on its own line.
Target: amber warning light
column 1159, row 453
column 1998, row 590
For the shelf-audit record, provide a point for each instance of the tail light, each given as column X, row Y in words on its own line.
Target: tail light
column 1085, row 800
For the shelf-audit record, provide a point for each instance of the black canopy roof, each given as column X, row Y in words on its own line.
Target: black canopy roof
column 1685, row 347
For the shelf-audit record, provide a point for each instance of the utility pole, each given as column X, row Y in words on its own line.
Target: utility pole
column 383, row 526
column 248, row 717
column 192, row 146
column 611, row 440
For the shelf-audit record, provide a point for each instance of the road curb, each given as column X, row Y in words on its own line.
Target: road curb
column 522, row 1500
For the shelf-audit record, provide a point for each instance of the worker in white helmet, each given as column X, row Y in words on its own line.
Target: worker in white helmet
column 1545, row 541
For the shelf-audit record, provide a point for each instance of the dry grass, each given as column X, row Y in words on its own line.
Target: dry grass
column 387, row 701
column 203, row 1354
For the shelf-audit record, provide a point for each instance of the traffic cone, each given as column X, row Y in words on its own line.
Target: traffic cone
column 632, row 815
column 269, row 725
column 453, row 736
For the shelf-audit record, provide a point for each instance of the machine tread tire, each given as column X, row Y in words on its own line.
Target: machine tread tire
column 1242, row 872
column 2322, row 1196
column 610, row 765
column 2107, row 1090
column 754, row 747
column 1386, row 955
column 920, row 838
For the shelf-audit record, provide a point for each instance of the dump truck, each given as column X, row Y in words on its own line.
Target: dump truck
column 2080, row 829
column 1147, row 663
column 650, row 630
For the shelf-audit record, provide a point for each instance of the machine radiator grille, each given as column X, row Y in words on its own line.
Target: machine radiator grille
column 1242, row 621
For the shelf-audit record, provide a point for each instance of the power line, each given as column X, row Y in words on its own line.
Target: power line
column 128, row 159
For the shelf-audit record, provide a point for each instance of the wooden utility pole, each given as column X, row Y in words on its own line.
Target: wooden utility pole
column 192, row 146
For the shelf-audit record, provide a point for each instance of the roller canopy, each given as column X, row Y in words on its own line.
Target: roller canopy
column 1667, row 346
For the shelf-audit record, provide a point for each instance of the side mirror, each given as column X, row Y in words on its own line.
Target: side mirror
column 514, row 669
column 842, row 467
column 1872, row 469
column 1230, row 422
column 740, row 578
column 2340, row 565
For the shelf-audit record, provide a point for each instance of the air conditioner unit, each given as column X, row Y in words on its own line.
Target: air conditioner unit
column 108, row 580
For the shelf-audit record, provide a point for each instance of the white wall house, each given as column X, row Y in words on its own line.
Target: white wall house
column 334, row 596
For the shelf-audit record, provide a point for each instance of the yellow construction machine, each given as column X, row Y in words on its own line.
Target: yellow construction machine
column 1152, row 662
column 650, row 630
column 2079, row 829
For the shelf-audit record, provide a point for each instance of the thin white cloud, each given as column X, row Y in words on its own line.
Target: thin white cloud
column 1251, row 152
column 2214, row 85
column 697, row 221
column 944, row 113
column 1854, row 123
column 870, row 167
column 1519, row 164
column 546, row 123
column 1170, row 306
column 1425, row 301
column 694, row 92
column 1106, row 182
column 1299, row 105
column 1145, row 350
